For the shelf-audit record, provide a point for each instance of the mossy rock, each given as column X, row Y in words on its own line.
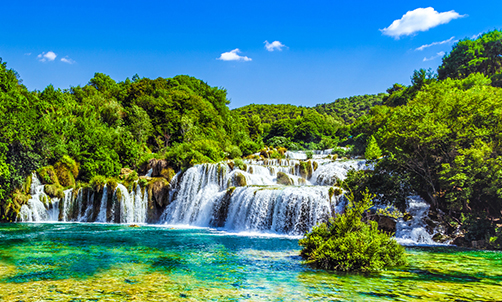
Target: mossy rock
column 230, row 190
column 112, row 184
column 302, row 181
column 306, row 169
column 27, row 184
column 48, row 175
column 97, row 183
column 282, row 151
column 240, row 180
column 315, row 165
column 54, row 190
column 264, row 153
column 284, row 179
column 65, row 176
column 250, row 170
column 407, row 216
column 158, row 190
column 231, row 164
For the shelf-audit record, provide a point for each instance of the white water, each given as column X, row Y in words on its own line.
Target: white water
column 35, row 209
column 413, row 231
column 209, row 195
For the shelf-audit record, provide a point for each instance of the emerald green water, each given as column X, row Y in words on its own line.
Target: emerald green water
column 97, row 262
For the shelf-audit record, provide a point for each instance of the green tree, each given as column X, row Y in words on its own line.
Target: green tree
column 372, row 150
column 348, row 243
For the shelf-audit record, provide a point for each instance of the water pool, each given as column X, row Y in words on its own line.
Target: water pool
column 110, row 262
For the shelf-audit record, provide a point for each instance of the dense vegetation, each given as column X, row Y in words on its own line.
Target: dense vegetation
column 297, row 127
column 349, row 243
column 105, row 126
column 440, row 138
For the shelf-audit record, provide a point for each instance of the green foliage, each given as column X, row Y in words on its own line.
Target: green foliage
column 309, row 154
column 233, row 152
column 347, row 243
column 483, row 55
column 372, row 150
column 239, row 163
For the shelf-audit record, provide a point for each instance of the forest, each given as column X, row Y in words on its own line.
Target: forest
column 439, row 137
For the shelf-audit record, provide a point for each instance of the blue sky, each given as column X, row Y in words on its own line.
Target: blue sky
column 331, row 49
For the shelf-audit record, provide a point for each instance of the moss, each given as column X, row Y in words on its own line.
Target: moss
column 315, row 165
column 334, row 191
column 157, row 190
column 282, row 151
column 230, row 164
column 48, row 175
column 306, row 169
column 97, row 183
column 250, row 170
column 143, row 182
column 230, row 190
column 27, row 184
column 335, row 156
column 302, row 181
column 284, row 179
column 54, row 190
column 240, row 180
column 70, row 164
column 112, row 184
column 264, row 153
column 168, row 173
column 65, row 176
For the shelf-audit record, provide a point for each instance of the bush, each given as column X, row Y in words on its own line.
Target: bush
column 347, row 243
column 233, row 152
column 309, row 154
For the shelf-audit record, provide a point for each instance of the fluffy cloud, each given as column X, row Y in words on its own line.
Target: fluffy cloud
column 47, row 56
column 435, row 43
column 233, row 56
column 438, row 55
column 276, row 45
column 67, row 60
column 420, row 19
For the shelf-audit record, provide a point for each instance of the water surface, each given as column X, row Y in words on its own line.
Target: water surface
column 107, row 262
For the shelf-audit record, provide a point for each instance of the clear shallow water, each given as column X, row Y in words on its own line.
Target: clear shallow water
column 105, row 262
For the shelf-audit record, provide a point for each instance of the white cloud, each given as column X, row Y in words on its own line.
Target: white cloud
column 233, row 56
column 67, row 60
column 435, row 43
column 47, row 56
column 438, row 55
column 420, row 19
column 276, row 45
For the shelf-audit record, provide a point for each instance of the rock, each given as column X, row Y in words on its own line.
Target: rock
column 407, row 217
column 459, row 241
column 284, row 179
column 134, row 226
column 158, row 189
column 385, row 223
column 157, row 165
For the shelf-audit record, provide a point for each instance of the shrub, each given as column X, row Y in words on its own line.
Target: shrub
column 347, row 243
column 309, row 154
column 239, row 163
column 233, row 152
column 47, row 175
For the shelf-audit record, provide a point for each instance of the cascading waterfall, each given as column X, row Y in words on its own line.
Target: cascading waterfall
column 413, row 231
column 215, row 195
column 40, row 207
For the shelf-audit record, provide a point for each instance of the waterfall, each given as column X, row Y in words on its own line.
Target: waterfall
column 39, row 207
column 413, row 231
column 213, row 195
column 132, row 205
column 284, row 196
column 103, row 205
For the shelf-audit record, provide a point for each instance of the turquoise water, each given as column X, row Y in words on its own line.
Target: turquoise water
column 105, row 262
